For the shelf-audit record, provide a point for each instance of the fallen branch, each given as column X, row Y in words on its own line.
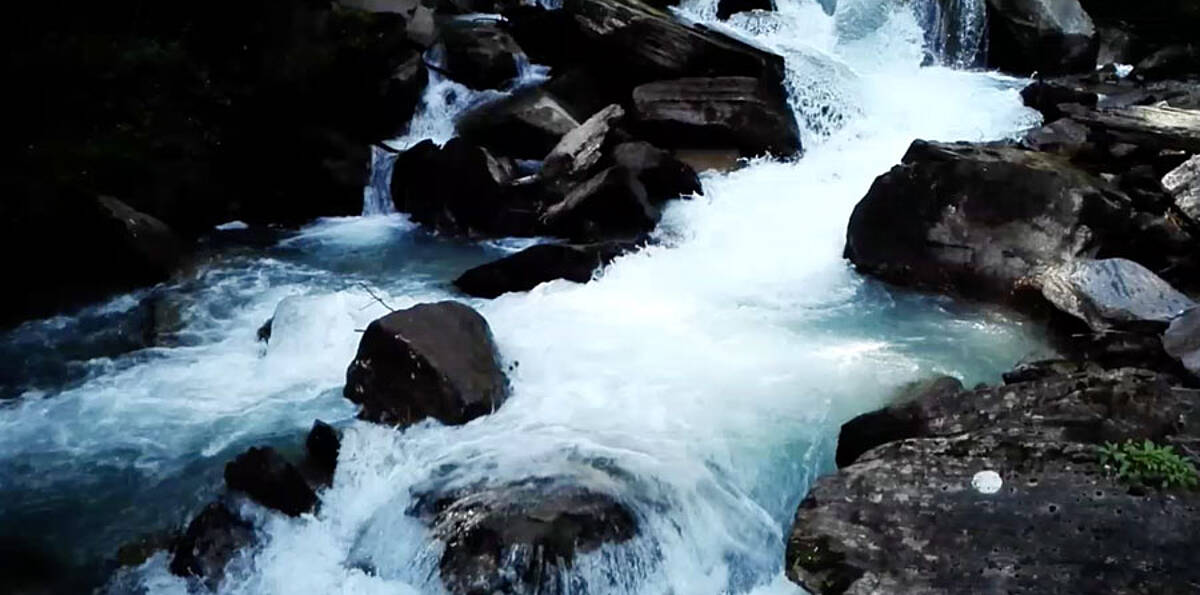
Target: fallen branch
column 375, row 297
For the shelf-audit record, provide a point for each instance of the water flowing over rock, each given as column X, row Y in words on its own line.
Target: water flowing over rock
column 520, row 538
column 429, row 361
column 1047, row 36
column 265, row 476
column 904, row 517
column 539, row 264
column 212, row 539
column 741, row 112
column 1112, row 293
column 978, row 219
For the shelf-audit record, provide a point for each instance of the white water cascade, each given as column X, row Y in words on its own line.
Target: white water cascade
column 700, row 381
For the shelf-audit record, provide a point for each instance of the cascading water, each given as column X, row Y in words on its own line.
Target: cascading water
column 700, row 381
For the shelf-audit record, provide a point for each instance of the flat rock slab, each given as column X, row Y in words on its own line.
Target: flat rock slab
column 1183, row 183
column 906, row 517
column 1113, row 293
column 1148, row 126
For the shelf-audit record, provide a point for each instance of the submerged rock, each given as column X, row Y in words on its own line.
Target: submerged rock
column 522, row 537
column 212, row 539
column 979, row 219
column 733, row 111
column 429, row 361
column 321, row 449
column 539, row 264
column 906, row 517
column 1047, row 36
column 265, row 476
column 1112, row 293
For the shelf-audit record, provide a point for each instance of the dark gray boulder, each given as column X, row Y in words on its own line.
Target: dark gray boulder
column 611, row 204
column 663, row 175
column 578, row 152
column 321, row 449
column 734, row 111
column 539, row 264
column 211, row 540
column 910, row 517
column 1046, row 95
column 979, row 219
column 1045, row 36
column 462, row 188
column 1112, row 293
column 521, row 537
column 525, row 125
column 429, row 361
column 265, row 476
column 480, row 55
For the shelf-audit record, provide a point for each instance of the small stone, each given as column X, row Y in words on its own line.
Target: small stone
column 987, row 482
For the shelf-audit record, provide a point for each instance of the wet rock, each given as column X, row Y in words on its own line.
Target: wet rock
column 265, row 476
column 1043, row 369
column 429, row 361
column 463, row 188
column 662, row 175
column 1171, row 61
column 1182, row 340
column 580, row 149
column 1155, row 23
column 728, row 8
column 212, row 539
column 635, row 43
column 1065, row 137
column 520, row 537
column 418, row 16
column 539, row 264
column 1152, row 127
column 1183, row 185
column 611, row 204
column 905, row 517
column 321, row 449
column 526, row 125
column 738, row 112
column 1046, row 95
column 403, row 89
column 900, row 420
column 979, row 219
column 721, row 160
column 480, row 55
column 1112, row 293
column 1046, row 36
column 263, row 334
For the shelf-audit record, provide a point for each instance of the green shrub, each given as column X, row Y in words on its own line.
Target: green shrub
column 1149, row 464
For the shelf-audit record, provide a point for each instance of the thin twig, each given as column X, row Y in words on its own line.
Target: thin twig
column 376, row 297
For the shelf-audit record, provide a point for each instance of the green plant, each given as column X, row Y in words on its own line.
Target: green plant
column 1149, row 464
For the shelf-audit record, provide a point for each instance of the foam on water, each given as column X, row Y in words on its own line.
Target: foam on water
column 700, row 381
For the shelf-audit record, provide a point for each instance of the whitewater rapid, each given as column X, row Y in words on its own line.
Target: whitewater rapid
column 701, row 381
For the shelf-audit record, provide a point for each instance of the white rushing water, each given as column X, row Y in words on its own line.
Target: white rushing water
column 700, row 381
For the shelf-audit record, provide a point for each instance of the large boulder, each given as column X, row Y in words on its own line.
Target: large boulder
column 1003, row 491
column 480, row 55
column 1151, row 23
column 265, row 476
column 539, row 264
column 1183, row 184
column 521, row 537
column 1046, row 36
column 979, row 219
column 211, row 540
column 1112, row 294
column 321, row 449
column 463, row 188
column 736, row 111
column 429, row 361
column 661, row 173
column 525, row 125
